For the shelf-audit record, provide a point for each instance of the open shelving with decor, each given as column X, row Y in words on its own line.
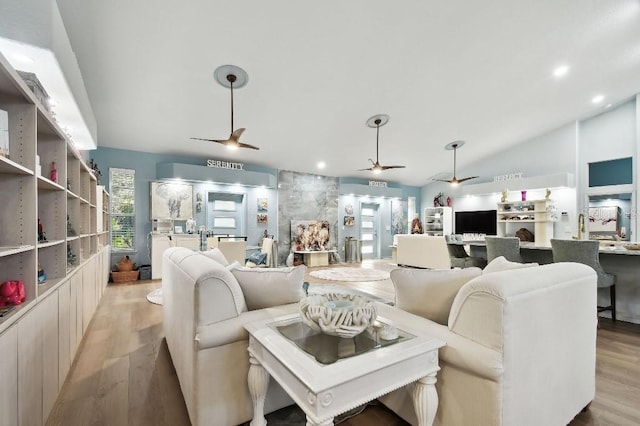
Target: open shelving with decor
column 44, row 215
column 536, row 215
column 438, row 221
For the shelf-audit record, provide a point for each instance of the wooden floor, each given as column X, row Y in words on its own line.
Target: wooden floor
column 122, row 374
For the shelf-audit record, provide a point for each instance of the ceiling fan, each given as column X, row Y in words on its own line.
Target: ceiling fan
column 454, row 181
column 231, row 76
column 378, row 121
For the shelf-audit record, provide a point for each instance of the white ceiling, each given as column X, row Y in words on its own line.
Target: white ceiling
column 442, row 70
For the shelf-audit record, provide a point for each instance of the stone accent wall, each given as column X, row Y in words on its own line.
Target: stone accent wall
column 304, row 196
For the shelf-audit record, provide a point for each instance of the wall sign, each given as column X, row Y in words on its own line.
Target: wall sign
column 218, row 164
column 510, row 176
column 378, row 183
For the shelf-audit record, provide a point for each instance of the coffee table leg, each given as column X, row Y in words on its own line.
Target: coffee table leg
column 325, row 423
column 258, row 382
column 425, row 400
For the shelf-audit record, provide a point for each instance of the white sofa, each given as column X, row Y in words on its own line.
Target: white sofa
column 520, row 344
column 205, row 307
column 423, row 251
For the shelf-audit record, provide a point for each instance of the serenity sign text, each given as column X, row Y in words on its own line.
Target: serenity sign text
column 377, row 183
column 225, row 165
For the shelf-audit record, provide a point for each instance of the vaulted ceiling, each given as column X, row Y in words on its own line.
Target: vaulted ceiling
column 442, row 70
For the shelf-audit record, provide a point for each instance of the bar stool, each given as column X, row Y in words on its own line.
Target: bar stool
column 509, row 247
column 586, row 252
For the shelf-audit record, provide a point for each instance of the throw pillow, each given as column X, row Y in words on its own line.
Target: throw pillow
column 266, row 287
column 501, row 264
column 257, row 258
column 430, row 292
column 216, row 255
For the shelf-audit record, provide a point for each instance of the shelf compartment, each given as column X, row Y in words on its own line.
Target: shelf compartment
column 20, row 266
column 52, row 259
column 52, row 209
column 46, row 184
column 22, row 132
column 18, row 213
column 8, row 166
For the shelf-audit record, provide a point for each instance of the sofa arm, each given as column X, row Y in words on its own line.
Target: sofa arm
column 232, row 330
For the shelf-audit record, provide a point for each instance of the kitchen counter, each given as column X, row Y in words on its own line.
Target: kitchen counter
column 614, row 258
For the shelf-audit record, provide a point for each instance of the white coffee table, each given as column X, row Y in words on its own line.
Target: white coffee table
column 323, row 391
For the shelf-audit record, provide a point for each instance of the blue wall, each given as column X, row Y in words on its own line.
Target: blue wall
column 146, row 164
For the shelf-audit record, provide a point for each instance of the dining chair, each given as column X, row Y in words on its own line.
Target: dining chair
column 587, row 252
column 509, row 247
column 459, row 256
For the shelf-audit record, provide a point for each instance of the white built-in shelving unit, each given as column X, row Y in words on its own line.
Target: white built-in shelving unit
column 39, row 338
column 438, row 221
column 536, row 215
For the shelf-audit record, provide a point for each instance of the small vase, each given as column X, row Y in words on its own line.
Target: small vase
column 524, row 195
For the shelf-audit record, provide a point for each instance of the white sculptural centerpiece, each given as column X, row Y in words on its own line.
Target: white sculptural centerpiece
column 338, row 314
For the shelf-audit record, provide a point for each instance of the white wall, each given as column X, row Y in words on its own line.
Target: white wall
column 550, row 153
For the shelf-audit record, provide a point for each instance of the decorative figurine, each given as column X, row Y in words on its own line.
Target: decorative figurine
column 437, row 200
column 94, row 167
column 416, row 225
column 42, row 277
column 503, row 199
column 547, row 195
column 54, row 172
column 71, row 257
column 41, row 235
column 70, row 231
column 191, row 226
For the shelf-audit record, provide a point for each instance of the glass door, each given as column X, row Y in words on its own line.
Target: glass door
column 225, row 213
column 369, row 225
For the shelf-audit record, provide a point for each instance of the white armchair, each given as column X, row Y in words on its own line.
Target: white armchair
column 520, row 343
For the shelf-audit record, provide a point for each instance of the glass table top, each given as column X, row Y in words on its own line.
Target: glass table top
column 328, row 349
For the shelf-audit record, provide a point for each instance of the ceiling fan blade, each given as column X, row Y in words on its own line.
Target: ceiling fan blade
column 392, row 167
column 443, row 180
column 237, row 133
column 209, row 140
column 364, row 170
column 246, row 145
column 467, row 178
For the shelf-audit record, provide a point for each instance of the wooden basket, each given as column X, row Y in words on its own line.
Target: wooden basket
column 123, row 277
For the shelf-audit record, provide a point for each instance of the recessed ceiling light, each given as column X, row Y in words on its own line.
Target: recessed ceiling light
column 597, row 99
column 561, row 71
column 321, row 164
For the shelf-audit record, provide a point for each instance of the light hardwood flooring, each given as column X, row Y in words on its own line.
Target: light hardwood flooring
column 122, row 374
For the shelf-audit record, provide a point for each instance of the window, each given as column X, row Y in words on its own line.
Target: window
column 123, row 209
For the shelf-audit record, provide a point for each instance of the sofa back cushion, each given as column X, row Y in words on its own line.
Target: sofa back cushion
column 267, row 287
column 430, row 292
column 501, row 305
column 216, row 255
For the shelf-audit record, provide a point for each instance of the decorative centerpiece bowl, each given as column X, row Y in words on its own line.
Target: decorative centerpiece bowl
column 338, row 314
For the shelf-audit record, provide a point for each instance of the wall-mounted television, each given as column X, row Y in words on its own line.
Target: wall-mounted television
column 477, row 222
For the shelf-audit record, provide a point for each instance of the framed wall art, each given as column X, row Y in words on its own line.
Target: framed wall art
column 171, row 201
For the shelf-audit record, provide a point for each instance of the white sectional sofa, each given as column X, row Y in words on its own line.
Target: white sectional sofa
column 205, row 307
column 520, row 343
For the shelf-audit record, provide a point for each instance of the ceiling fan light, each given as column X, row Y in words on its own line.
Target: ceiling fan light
column 232, row 146
column 454, row 182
